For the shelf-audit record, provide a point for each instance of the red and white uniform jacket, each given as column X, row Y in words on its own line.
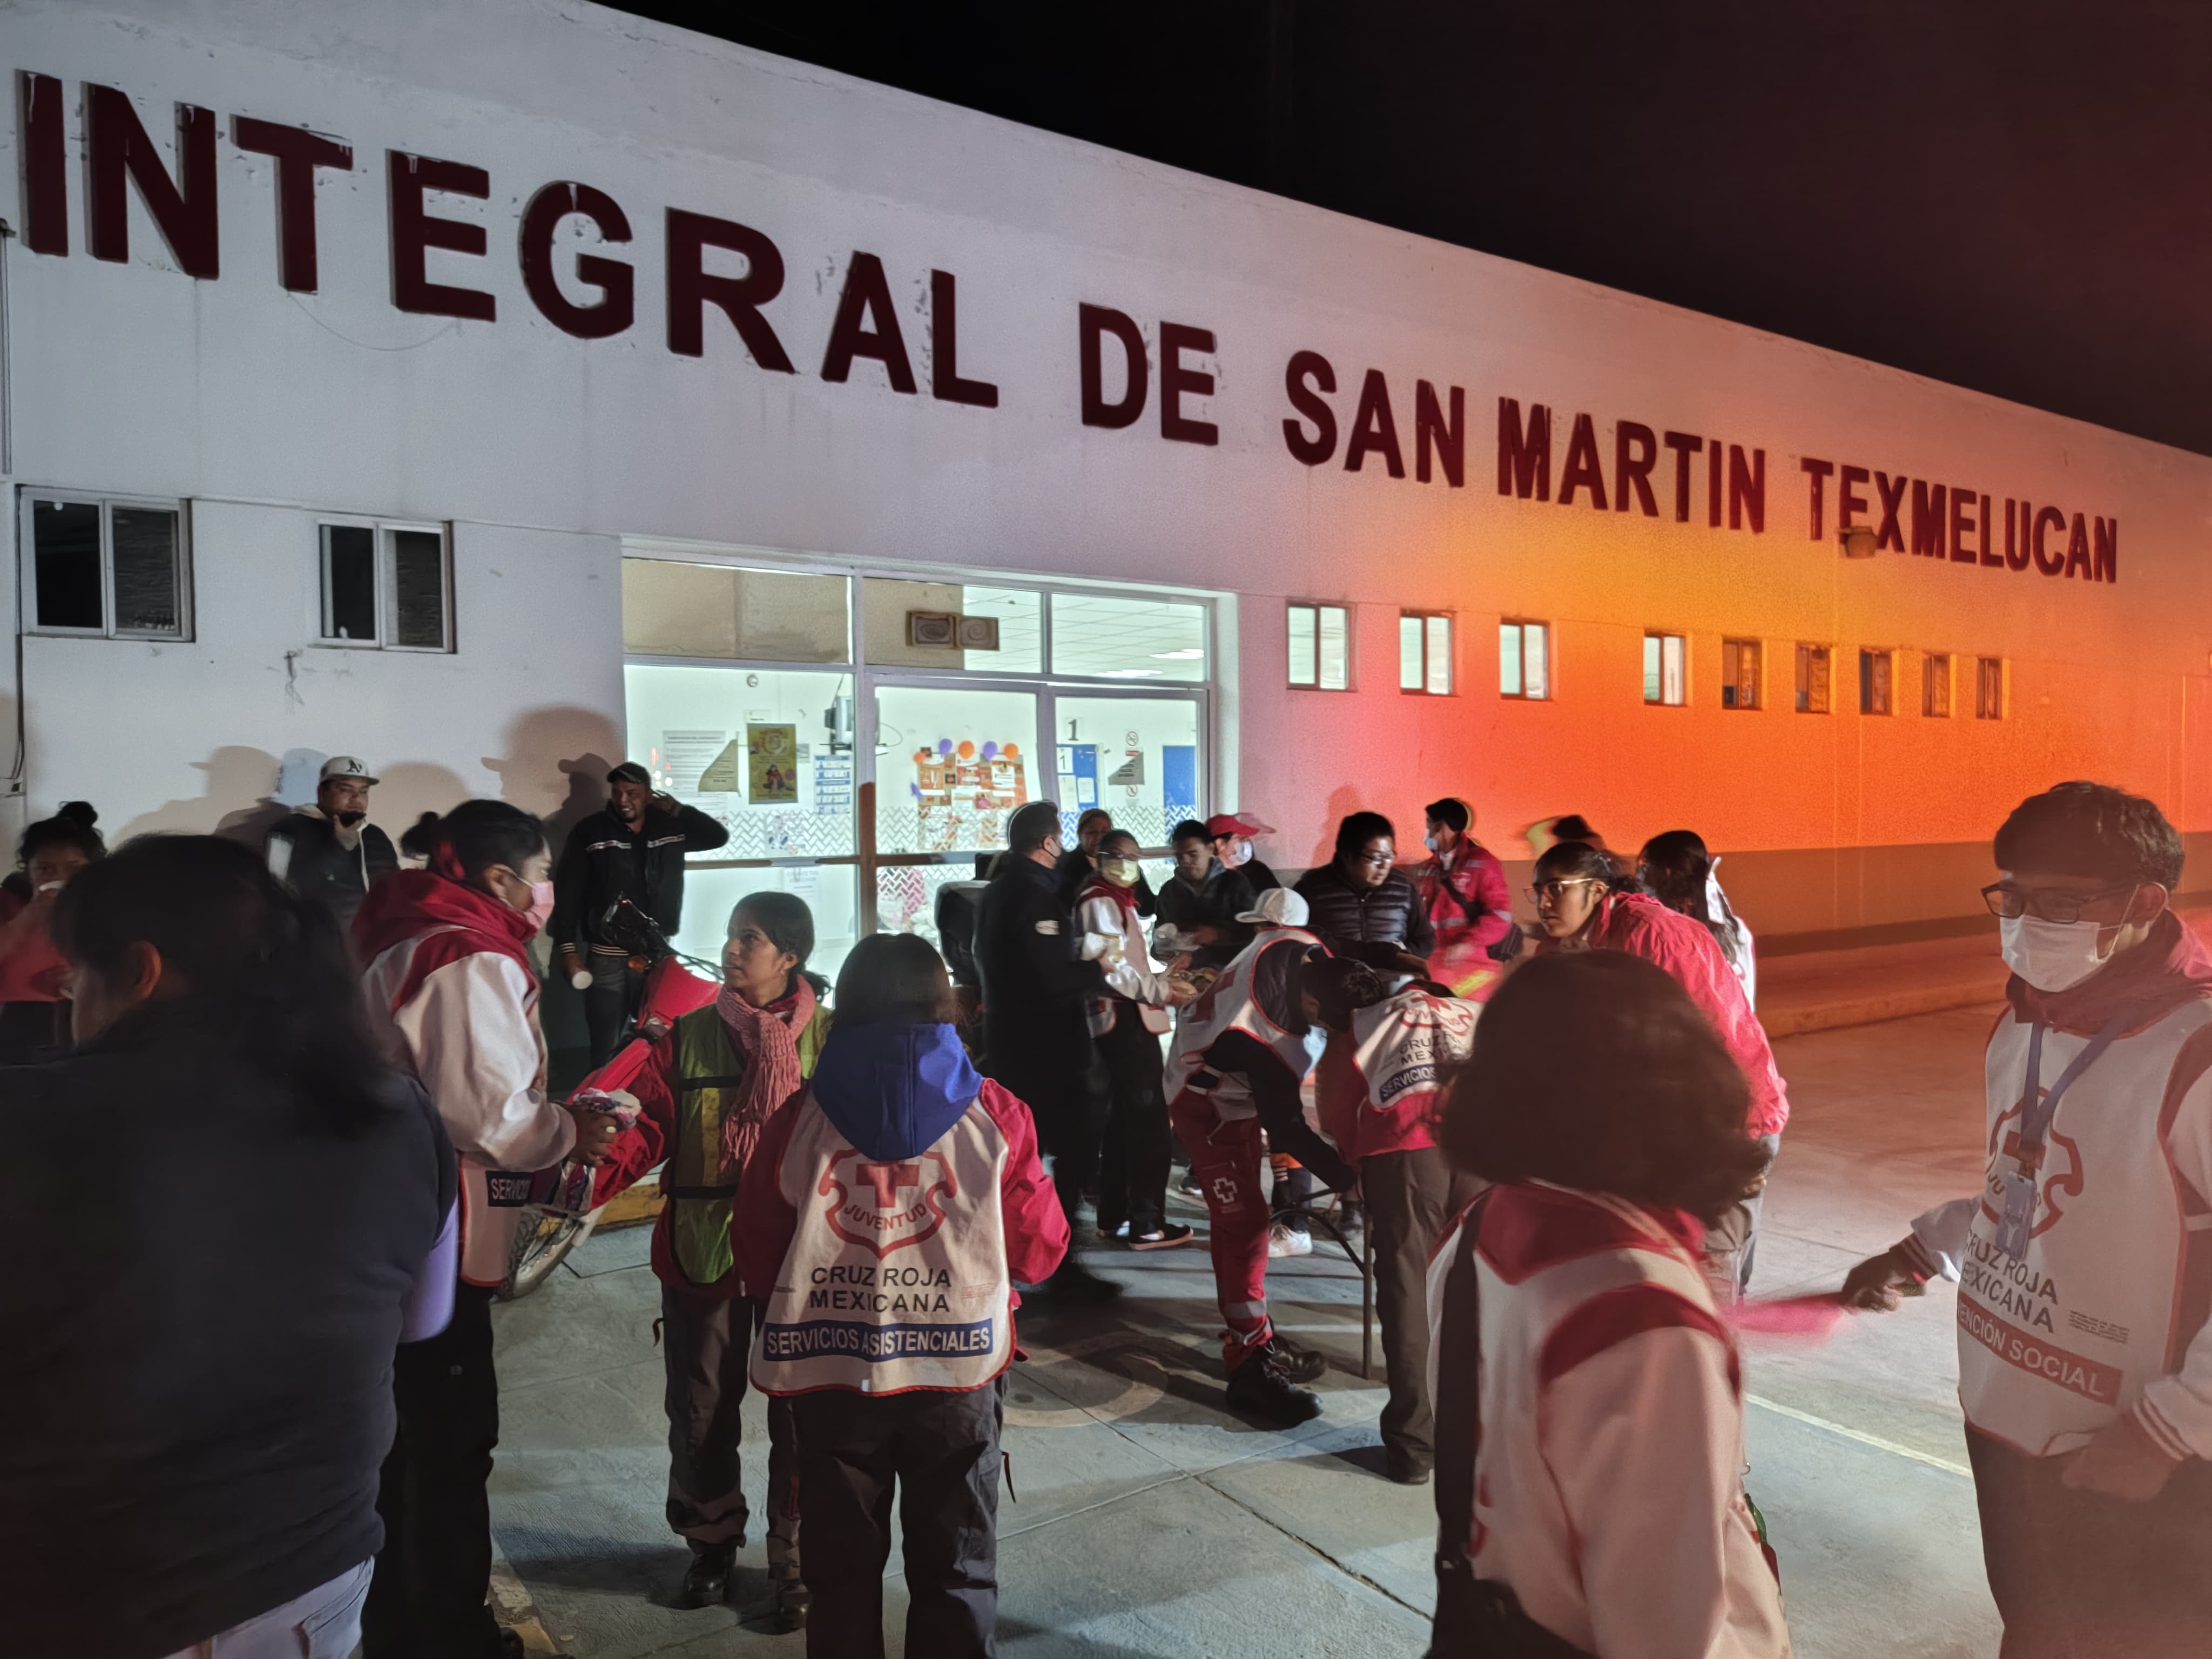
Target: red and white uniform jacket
column 1467, row 902
column 1114, row 938
column 885, row 1275
column 1378, row 1083
column 1640, row 925
column 1608, row 1481
column 450, row 985
column 1238, row 1002
column 2105, row 1311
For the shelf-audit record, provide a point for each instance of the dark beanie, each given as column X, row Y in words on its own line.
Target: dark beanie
column 1027, row 826
column 630, row 772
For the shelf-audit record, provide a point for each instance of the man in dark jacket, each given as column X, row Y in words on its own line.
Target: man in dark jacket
column 1036, row 1036
column 633, row 850
column 329, row 851
column 1363, row 908
column 1199, row 905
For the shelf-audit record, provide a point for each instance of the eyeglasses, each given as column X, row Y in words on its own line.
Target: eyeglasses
column 2011, row 904
column 1376, row 861
column 1558, row 890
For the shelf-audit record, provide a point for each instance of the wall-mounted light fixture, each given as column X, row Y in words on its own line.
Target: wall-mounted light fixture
column 1858, row 541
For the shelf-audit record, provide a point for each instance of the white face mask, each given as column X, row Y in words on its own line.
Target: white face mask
column 2051, row 956
column 1429, row 841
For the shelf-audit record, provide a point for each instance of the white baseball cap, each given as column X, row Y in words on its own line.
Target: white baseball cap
column 1279, row 907
column 346, row 765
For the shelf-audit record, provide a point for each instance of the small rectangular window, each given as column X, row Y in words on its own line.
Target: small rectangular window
column 1812, row 679
column 1989, row 687
column 1425, row 662
column 1665, row 659
column 1320, row 647
column 107, row 567
column 1874, row 670
column 1524, row 665
column 1935, row 686
column 386, row 586
column 1739, row 673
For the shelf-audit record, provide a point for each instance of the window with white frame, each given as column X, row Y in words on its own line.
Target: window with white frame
column 1320, row 647
column 1876, row 669
column 1424, row 653
column 387, row 586
column 1813, row 663
column 1524, row 661
column 1740, row 673
column 1989, row 687
column 1666, row 678
column 105, row 566
column 1935, row 685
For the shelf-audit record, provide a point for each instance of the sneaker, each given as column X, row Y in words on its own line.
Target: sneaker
column 1075, row 1282
column 1259, row 1387
column 1294, row 1360
column 1288, row 1238
column 1163, row 1238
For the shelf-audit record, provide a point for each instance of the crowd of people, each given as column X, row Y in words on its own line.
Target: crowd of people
column 252, row 1378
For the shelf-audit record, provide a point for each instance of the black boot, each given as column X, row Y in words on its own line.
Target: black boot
column 1259, row 1387
column 783, row 1609
column 1296, row 1362
column 707, row 1580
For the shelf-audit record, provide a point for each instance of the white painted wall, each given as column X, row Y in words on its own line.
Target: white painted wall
column 135, row 377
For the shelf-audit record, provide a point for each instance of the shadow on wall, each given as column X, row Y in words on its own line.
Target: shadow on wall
column 1343, row 801
column 555, row 765
column 239, row 802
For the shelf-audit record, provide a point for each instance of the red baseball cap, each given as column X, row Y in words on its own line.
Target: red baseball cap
column 1236, row 824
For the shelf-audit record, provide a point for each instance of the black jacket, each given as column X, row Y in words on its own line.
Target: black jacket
column 1345, row 917
column 605, row 859
column 1217, row 901
column 1258, row 875
column 197, row 1373
column 304, row 853
column 1026, row 954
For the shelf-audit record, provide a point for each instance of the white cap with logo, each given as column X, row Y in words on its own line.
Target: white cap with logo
column 346, row 765
column 1279, row 907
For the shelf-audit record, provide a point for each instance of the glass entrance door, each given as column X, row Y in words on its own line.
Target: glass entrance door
column 951, row 761
column 1140, row 756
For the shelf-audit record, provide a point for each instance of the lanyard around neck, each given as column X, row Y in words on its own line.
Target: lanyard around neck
column 2037, row 1110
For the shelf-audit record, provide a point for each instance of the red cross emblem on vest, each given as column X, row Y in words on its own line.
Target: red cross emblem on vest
column 885, row 1204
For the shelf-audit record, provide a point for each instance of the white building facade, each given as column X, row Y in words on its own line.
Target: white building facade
column 495, row 390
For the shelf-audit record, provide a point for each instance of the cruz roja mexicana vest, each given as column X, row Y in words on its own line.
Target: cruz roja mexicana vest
column 885, row 1287
column 2095, row 1316
column 1230, row 1004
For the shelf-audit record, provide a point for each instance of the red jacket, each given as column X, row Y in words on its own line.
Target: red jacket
column 1035, row 1227
column 1640, row 925
column 1471, row 908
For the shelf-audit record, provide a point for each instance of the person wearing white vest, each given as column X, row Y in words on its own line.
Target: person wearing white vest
column 1589, row 1397
column 1377, row 1086
column 1241, row 1052
column 1128, row 1019
column 2084, row 1264
column 885, row 1220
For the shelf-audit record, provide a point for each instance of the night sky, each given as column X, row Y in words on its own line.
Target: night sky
column 2013, row 196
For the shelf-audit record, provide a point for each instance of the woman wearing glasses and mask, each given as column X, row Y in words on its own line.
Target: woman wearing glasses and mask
column 1583, row 904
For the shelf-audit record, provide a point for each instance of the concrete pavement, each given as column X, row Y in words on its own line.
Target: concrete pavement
column 1148, row 1521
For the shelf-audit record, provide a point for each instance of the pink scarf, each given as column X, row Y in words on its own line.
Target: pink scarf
column 764, row 1037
